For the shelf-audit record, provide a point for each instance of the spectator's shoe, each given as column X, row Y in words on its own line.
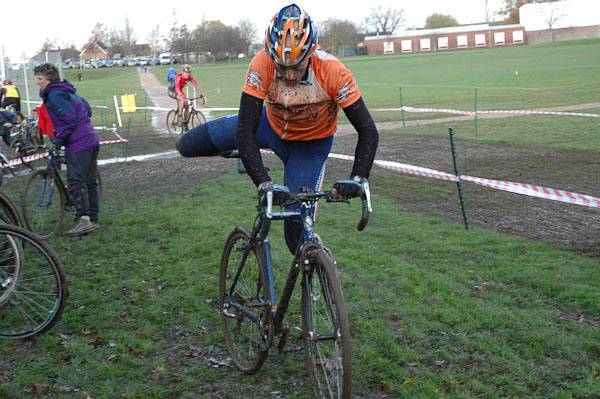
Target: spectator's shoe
column 83, row 226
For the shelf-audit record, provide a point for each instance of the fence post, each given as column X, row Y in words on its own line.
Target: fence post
column 475, row 108
column 402, row 107
column 103, row 114
column 458, row 185
column 127, row 138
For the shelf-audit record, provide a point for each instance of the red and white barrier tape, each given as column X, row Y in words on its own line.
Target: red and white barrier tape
column 494, row 112
column 537, row 191
column 41, row 155
column 517, row 188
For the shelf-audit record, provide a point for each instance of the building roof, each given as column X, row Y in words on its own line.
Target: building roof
column 85, row 48
column 444, row 31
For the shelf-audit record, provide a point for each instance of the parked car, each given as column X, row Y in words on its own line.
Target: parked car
column 132, row 62
column 108, row 63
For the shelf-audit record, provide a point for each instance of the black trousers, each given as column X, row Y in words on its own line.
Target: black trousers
column 82, row 173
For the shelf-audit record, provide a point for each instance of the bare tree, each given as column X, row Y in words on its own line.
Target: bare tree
column 553, row 15
column 335, row 34
column 49, row 44
column 100, row 33
column 247, row 32
column 384, row 22
column 127, row 36
column 154, row 40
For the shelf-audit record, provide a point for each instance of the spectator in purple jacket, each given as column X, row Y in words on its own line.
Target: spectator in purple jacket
column 70, row 115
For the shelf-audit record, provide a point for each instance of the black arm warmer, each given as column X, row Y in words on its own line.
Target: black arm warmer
column 248, row 119
column 368, row 138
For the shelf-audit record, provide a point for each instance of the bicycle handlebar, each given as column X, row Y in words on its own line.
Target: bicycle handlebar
column 314, row 196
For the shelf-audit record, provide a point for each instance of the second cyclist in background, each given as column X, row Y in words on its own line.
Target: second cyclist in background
column 10, row 95
column 181, row 80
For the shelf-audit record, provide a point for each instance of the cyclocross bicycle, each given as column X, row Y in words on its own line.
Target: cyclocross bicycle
column 252, row 315
column 192, row 118
column 46, row 198
column 33, row 288
column 26, row 141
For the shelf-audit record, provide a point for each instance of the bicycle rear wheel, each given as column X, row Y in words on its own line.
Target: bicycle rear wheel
column 245, row 312
column 43, row 204
column 40, row 293
column 326, row 332
column 172, row 126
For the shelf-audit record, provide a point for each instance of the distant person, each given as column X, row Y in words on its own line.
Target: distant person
column 171, row 75
column 10, row 95
column 71, row 117
column 181, row 80
column 8, row 120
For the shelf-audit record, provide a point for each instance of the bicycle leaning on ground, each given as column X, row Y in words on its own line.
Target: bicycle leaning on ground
column 46, row 198
column 33, row 288
column 192, row 117
column 250, row 312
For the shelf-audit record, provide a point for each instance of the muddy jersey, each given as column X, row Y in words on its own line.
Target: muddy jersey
column 308, row 109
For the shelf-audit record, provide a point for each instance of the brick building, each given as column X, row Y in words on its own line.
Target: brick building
column 93, row 51
column 444, row 39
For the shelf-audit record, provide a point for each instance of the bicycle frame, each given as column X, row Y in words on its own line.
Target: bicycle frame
column 259, row 239
column 56, row 182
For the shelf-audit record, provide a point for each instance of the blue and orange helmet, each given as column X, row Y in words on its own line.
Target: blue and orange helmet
column 291, row 36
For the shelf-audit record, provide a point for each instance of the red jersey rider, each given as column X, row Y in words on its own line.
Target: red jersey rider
column 181, row 80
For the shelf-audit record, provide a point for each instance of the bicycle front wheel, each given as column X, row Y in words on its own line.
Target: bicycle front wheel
column 43, row 204
column 326, row 332
column 172, row 126
column 40, row 292
column 196, row 119
column 245, row 312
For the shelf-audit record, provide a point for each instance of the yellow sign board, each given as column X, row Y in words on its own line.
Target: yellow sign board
column 128, row 103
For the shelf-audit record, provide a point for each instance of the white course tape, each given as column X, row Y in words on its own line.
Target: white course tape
column 493, row 112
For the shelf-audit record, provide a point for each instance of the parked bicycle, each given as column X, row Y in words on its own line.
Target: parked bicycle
column 46, row 198
column 26, row 141
column 252, row 315
column 33, row 288
column 191, row 118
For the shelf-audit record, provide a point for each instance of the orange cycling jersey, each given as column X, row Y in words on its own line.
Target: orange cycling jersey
column 308, row 109
column 181, row 81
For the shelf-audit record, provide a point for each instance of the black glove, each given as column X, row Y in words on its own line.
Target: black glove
column 281, row 194
column 348, row 188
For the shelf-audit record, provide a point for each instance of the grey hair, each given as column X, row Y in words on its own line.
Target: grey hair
column 48, row 71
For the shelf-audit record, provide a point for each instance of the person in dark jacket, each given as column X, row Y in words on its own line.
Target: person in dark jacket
column 71, row 116
column 8, row 119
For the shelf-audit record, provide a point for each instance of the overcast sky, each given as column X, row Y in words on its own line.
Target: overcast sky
column 71, row 21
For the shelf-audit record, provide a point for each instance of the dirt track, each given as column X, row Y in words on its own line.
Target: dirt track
column 572, row 227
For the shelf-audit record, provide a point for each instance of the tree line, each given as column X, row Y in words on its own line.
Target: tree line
column 222, row 41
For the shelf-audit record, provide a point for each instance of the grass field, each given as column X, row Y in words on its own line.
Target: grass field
column 435, row 312
column 548, row 75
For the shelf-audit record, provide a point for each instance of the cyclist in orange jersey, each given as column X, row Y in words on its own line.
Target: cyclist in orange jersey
column 302, row 88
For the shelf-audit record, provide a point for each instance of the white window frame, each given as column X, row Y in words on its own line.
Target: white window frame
column 517, row 36
column 425, row 44
column 443, row 43
column 462, row 41
column 406, row 46
column 388, row 47
column 499, row 38
column 480, row 40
